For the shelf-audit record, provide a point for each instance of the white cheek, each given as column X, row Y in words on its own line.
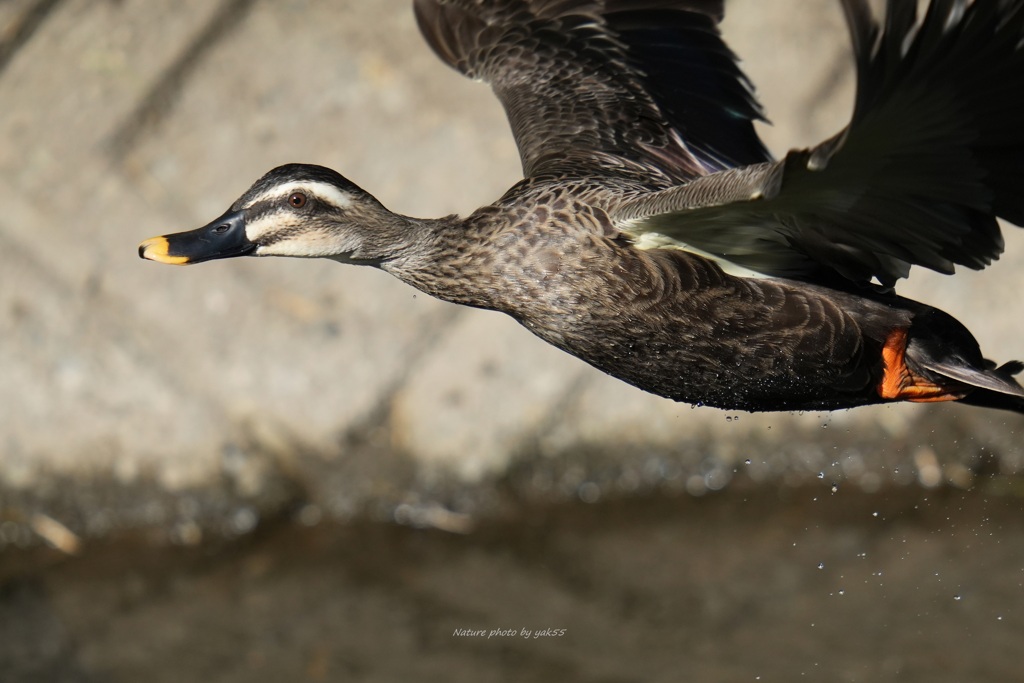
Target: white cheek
column 256, row 229
column 307, row 246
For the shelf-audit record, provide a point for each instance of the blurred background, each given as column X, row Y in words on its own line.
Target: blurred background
column 292, row 470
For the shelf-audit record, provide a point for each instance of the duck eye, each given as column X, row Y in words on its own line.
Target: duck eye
column 297, row 200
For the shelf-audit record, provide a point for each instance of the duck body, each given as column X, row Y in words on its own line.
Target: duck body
column 655, row 238
column 671, row 322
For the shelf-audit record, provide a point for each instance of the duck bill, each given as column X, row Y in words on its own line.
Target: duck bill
column 223, row 238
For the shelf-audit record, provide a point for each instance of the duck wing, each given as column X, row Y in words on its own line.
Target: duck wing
column 642, row 87
column 933, row 154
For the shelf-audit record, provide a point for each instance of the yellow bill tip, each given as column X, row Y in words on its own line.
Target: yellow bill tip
column 156, row 249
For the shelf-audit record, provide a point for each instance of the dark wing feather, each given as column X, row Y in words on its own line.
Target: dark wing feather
column 933, row 154
column 594, row 86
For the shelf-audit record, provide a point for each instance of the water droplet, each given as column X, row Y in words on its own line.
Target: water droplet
column 958, row 597
column 821, row 475
column 821, row 565
column 589, row 492
column 747, row 461
column 842, row 591
column 310, row 515
column 874, row 514
column 243, row 520
column 835, row 488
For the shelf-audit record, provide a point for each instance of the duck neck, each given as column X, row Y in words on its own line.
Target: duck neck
column 377, row 237
column 440, row 258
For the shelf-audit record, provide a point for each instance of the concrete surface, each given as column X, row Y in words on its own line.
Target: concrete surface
column 126, row 119
column 188, row 406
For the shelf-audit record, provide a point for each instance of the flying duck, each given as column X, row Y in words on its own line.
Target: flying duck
column 654, row 237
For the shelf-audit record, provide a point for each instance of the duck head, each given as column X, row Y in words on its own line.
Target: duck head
column 294, row 210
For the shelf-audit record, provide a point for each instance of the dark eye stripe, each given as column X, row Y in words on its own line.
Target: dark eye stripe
column 281, row 235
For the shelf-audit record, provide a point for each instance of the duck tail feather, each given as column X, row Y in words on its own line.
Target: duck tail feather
column 941, row 352
column 999, row 380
